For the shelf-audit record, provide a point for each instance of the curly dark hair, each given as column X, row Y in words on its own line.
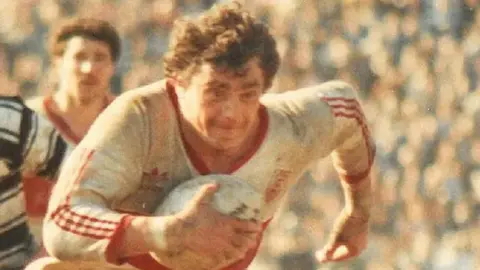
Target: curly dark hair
column 85, row 27
column 226, row 36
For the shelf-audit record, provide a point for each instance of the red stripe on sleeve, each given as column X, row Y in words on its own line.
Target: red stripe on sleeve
column 116, row 240
column 350, row 108
column 83, row 225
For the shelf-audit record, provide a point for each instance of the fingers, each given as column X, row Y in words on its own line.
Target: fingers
column 325, row 254
column 244, row 226
column 205, row 194
column 233, row 254
column 338, row 249
column 228, row 255
column 336, row 253
column 237, row 252
column 244, row 242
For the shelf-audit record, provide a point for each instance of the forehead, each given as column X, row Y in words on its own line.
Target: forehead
column 250, row 71
column 79, row 43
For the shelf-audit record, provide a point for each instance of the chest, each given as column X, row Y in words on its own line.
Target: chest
column 272, row 168
column 72, row 123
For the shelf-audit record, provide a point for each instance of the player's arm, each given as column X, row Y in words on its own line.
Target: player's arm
column 352, row 156
column 39, row 148
column 44, row 148
column 105, row 167
column 12, row 115
column 354, row 147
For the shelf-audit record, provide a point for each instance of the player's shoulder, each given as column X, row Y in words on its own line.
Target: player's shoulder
column 313, row 99
column 152, row 100
column 146, row 94
column 11, row 103
column 336, row 88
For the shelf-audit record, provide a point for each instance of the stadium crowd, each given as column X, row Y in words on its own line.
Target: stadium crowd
column 416, row 65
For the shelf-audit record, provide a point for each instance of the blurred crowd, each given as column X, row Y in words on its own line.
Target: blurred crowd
column 416, row 65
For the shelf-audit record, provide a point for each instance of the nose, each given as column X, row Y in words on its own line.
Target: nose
column 231, row 108
column 86, row 67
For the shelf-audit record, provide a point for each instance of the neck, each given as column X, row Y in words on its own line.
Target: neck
column 77, row 114
column 217, row 159
column 66, row 102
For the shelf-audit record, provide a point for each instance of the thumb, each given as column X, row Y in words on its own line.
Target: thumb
column 326, row 253
column 336, row 253
column 205, row 194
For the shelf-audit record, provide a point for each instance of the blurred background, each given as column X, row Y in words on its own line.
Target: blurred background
column 416, row 65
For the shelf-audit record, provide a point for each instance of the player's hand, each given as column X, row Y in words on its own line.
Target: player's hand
column 347, row 240
column 206, row 231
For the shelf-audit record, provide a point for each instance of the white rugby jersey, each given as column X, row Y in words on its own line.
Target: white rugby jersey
column 28, row 143
column 43, row 105
column 134, row 155
column 37, row 188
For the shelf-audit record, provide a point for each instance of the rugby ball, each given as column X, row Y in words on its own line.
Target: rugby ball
column 234, row 197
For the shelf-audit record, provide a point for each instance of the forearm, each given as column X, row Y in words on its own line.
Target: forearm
column 82, row 232
column 147, row 234
column 135, row 240
column 358, row 197
column 82, row 227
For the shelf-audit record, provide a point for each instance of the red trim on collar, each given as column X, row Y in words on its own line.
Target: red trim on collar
column 62, row 127
column 59, row 122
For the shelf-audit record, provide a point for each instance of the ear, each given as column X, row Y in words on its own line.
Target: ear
column 178, row 82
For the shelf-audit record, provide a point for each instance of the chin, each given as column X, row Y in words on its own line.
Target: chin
column 91, row 93
column 226, row 144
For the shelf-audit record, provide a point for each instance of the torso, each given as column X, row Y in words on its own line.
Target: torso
column 73, row 123
column 280, row 154
column 38, row 189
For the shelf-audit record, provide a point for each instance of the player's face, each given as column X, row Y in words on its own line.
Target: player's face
column 222, row 106
column 85, row 68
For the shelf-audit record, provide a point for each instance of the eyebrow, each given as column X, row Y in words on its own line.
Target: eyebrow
column 250, row 84
column 217, row 84
column 241, row 72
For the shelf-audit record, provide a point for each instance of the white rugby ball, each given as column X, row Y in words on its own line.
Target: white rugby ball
column 234, row 197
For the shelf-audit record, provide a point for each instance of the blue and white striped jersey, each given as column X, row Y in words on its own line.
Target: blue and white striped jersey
column 28, row 144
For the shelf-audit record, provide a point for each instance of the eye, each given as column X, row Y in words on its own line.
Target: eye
column 99, row 57
column 215, row 94
column 248, row 95
column 80, row 56
column 220, row 93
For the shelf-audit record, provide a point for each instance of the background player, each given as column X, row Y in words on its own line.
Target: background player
column 83, row 52
column 28, row 144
